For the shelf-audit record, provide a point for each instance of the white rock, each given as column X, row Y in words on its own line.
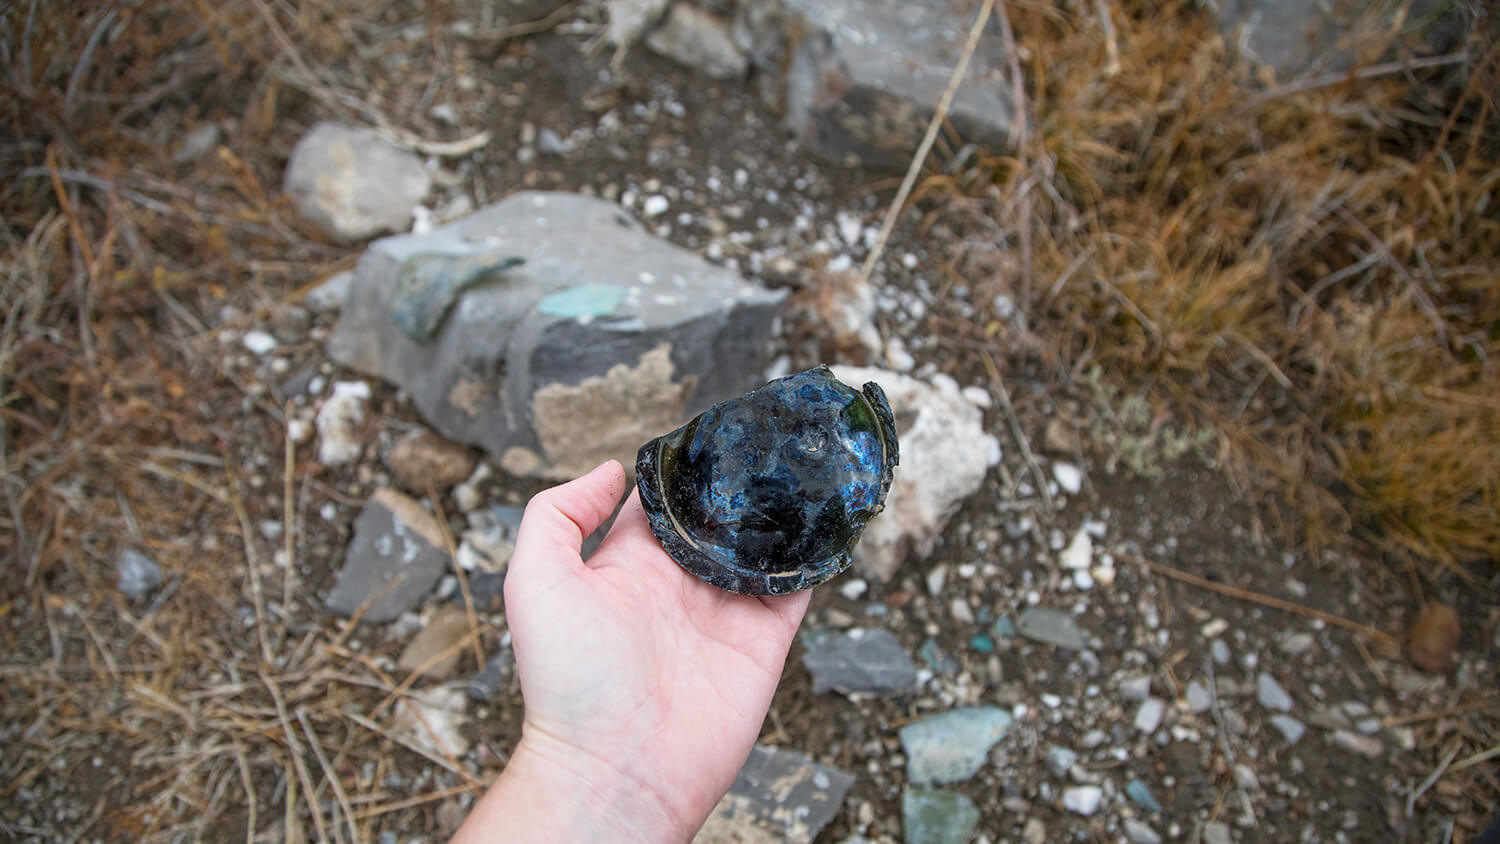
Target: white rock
column 1199, row 698
column 259, row 342
column 959, row 609
column 1290, row 728
column 936, row 577
column 1140, row 833
column 1068, row 476
column 944, row 459
column 654, row 206
column 1148, row 716
column 853, row 588
column 433, row 719
column 1082, row 580
column 1270, row 693
column 1079, row 554
column 1356, row 743
column 1103, row 575
column 1083, row 799
column 977, row 396
column 339, row 422
column 299, row 430
column 351, row 183
column 1135, row 687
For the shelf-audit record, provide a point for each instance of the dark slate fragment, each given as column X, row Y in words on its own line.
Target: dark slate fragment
column 862, row 660
column 785, row 792
column 394, row 538
column 768, row 493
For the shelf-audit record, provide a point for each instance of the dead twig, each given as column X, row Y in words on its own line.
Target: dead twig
column 1016, row 431
column 1258, row 598
column 329, row 775
column 933, row 127
column 1313, row 83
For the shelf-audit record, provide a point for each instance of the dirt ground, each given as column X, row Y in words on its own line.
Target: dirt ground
column 147, row 722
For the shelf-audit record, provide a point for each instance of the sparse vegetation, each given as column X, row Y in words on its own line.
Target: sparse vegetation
column 1311, row 272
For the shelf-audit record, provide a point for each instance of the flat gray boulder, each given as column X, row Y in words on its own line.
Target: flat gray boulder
column 351, row 183
column 551, row 330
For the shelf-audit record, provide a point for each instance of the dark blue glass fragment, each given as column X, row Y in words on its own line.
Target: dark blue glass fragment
column 767, row 493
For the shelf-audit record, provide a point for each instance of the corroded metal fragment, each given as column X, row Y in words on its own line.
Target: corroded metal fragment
column 767, row 493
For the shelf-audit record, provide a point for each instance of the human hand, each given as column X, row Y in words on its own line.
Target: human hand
column 644, row 687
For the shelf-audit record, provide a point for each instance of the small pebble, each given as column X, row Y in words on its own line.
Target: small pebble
column 853, row 588
column 654, row 206
column 1270, row 693
column 1216, row 833
column 1199, row 698
column 1068, row 476
column 1356, row 743
column 1289, row 727
column 259, row 342
column 1148, row 716
column 1140, row 794
column 1139, row 833
column 1083, row 799
column 1060, row 759
column 1220, row 651
column 1137, row 687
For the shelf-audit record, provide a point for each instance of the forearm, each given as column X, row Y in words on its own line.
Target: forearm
column 549, row 793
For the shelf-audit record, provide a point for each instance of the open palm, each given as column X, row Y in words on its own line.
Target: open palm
column 631, row 667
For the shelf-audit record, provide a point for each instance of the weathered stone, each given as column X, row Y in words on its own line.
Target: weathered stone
column 1199, row 698
column 700, row 40
column 1432, row 641
column 1290, row 728
column 1083, row 799
column 1051, row 626
column 858, row 79
column 433, row 719
column 139, row 575
column 1295, row 36
column 393, row 538
column 340, row 423
column 422, row 459
column 781, row 793
column 602, row 339
column 1140, row 794
column 936, row 816
column 1215, row 833
column 1270, row 693
column 352, row 184
column 952, row 746
column 433, row 650
column 1140, row 833
column 945, row 454
column 861, row 660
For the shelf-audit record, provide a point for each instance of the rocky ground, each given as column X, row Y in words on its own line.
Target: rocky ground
column 1104, row 642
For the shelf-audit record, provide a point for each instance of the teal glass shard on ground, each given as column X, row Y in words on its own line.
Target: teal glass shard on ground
column 767, row 493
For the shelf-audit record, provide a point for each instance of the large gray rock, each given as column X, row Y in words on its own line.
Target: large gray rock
column 945, row 454
column 394, row 539
column 1297, row 36
column 352, row 184
column 859, row 79
column 603, row 338
column 779, row 795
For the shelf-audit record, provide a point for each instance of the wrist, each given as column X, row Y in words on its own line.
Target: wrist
column 551, row 791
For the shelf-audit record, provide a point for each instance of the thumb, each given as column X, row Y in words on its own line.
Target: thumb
column 557, row 520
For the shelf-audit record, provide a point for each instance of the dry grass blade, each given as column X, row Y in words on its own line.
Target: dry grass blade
column 940, row 113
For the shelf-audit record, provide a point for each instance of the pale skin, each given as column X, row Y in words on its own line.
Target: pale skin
column 644, row 687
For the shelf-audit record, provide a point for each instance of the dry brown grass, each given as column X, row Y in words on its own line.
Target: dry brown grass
column 1314, row 274
column 1313, row 269
column 216, row 709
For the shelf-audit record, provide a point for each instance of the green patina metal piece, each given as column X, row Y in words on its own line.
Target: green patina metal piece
column 585, row 301
column 428, row 285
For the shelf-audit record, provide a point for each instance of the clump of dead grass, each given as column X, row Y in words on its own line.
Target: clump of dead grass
column 1312, row 269
column 226, row 706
